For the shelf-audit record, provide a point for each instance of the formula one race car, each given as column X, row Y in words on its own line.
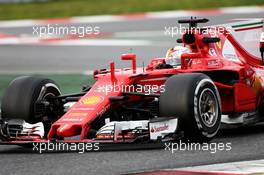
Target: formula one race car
column 214, row 75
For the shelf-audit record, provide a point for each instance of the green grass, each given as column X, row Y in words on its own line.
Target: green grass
column 65, row 8
column 68, row 83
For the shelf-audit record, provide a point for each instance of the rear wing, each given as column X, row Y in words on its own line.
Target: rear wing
column 250, row 35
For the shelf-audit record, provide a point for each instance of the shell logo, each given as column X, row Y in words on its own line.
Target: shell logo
column 91, row 100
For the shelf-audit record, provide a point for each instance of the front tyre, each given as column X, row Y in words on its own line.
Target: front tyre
column 23, row 94
column 194, row 99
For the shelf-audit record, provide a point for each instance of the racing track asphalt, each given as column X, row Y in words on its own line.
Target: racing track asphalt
column 247, row 143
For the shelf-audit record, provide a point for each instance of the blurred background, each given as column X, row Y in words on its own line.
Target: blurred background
column 22, row 9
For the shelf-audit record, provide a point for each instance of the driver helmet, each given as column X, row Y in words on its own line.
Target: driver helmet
column 173, row 56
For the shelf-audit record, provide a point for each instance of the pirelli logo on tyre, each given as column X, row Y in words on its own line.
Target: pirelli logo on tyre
column 92, row 100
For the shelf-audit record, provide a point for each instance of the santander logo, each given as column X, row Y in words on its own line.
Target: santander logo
column 160, row 128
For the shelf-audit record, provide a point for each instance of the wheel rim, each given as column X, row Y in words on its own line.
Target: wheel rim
column 208, row 107
column 45, row 94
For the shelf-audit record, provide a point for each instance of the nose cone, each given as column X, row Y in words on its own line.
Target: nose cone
column 67, row 130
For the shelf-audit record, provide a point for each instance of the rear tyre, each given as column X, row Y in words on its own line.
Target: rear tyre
column 22, row 94
column 194, row 99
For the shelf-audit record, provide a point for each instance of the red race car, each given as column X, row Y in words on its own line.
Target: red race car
column 214, row 75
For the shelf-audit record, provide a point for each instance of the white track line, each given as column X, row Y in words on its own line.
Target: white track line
column 100, row 42
column 139, row 34
column 96, row 19
column 240, row 10
column 254, row 166
column 80, row 42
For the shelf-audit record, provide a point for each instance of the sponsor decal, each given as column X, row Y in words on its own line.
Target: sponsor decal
column 213, row 63
column 159, row 129
column 91, row 100
column 77, row 114
column 162, row 128
column 82, row 109
column 72, row 119
column 100, row 113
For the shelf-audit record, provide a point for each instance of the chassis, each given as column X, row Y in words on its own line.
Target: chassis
column 158, row 102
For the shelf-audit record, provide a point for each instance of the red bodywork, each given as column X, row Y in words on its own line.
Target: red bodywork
column 239, row 80
column 243, row 95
